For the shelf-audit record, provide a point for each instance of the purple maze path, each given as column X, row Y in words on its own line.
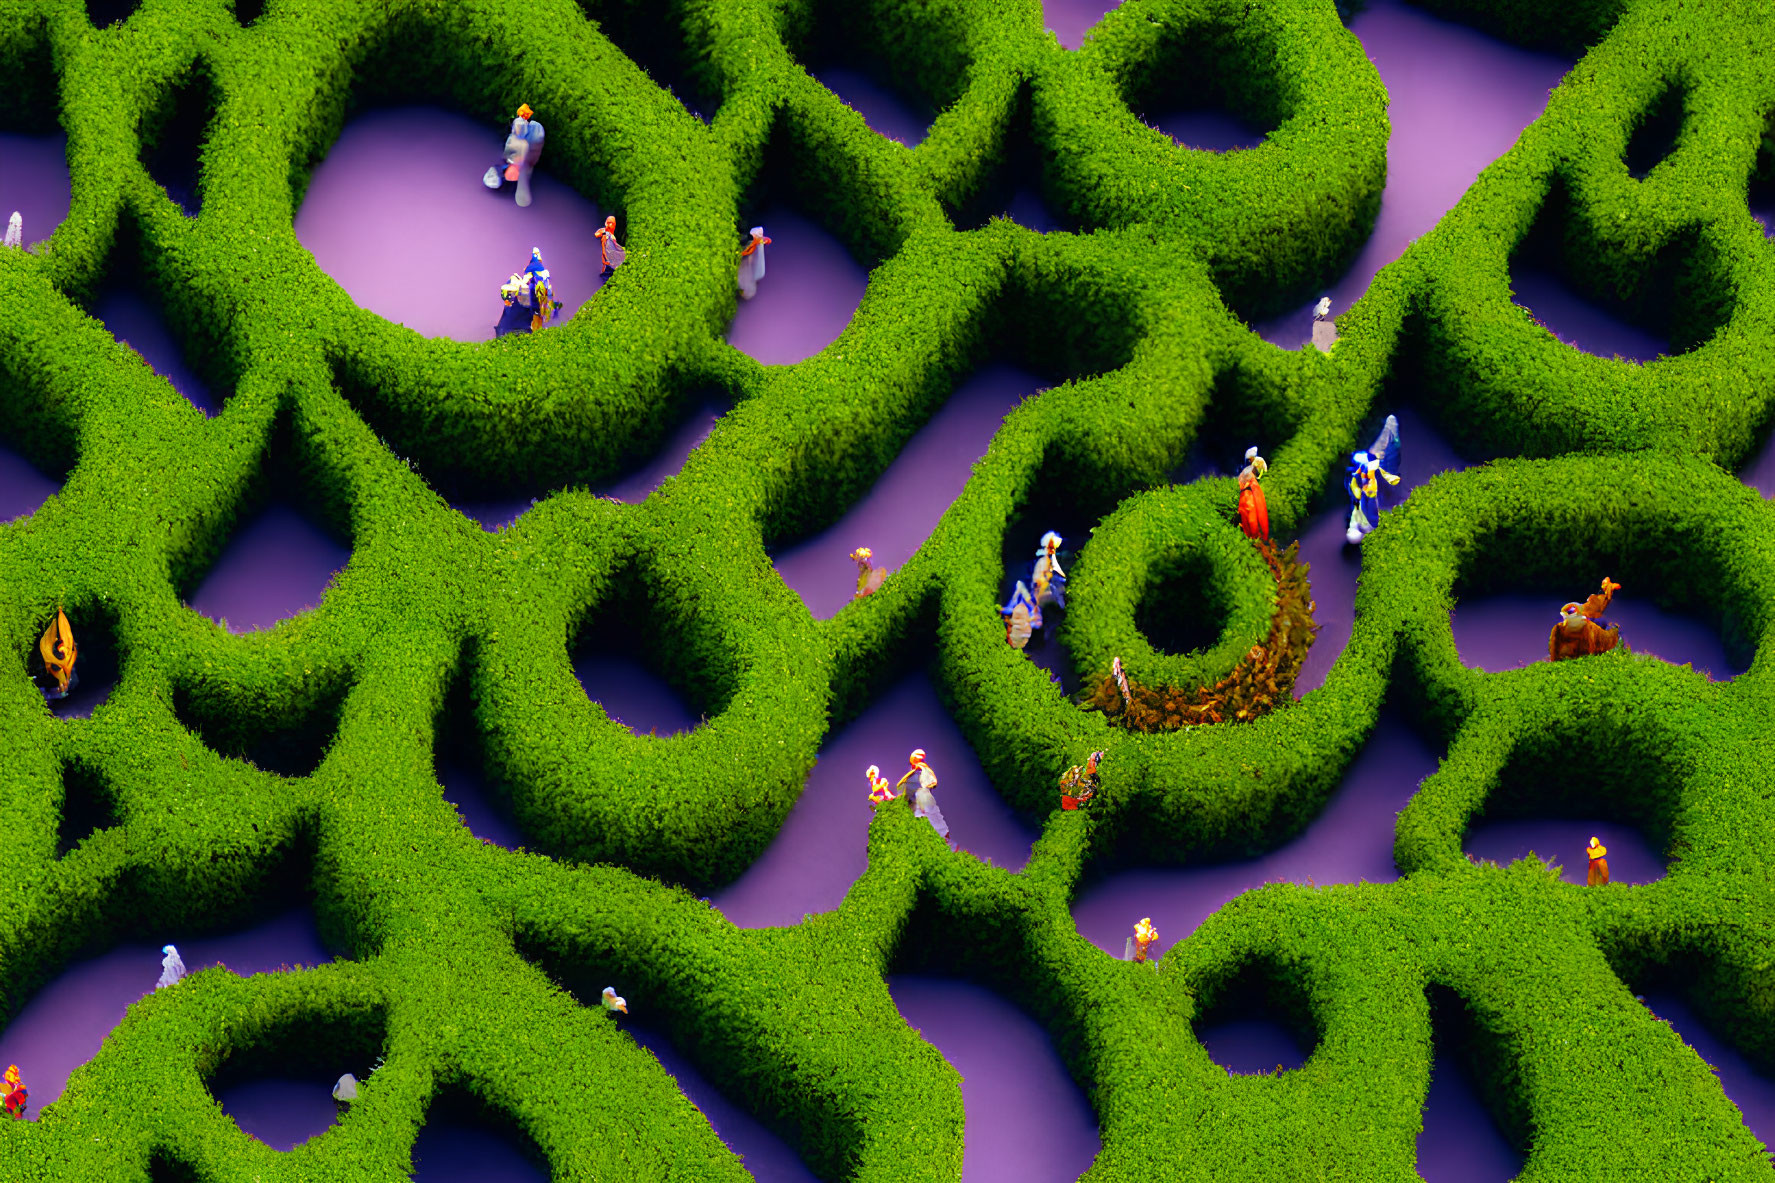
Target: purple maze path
column 425, row 244
column 286, row 1110
column 1631, row 858
column 633, row 695
column 34, row 181
column 632, row 487
column 274, row 566
column 1210, row 131
column 486, row 815
column 23, row 487
column 137, row 323
column 461, row 1142
column 1026, row 1119
column 1509, row 631
column 1459, row 99
column 1746, row 1086
column 63, row 1024
column 899, row 511
column 1350, row 841
column 822, row 847
column 1578, row 322
column 1070, row 20
column 765, row 1154
column 884, row 109
column 1252, row 1047
column 810, row 289
column 1461, row 1141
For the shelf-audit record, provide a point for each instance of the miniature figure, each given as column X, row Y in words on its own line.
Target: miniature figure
column 1254, row 511
column 869, row 576
column 1022, row 616
column 878, row 785
column 172, row 967
column 14, row 1087
column 924, row 801
column 523, row 148
column 1115, row 669
column 1076, row 787
column 530, row 290
column 1599, row 863
column 612, row 1002
column 609, row 249
column 59, row 653
column 345, row 1091
column 1579, row 632
column 1322, row 309
column 1144, row 935
column 1381, row 459
column 1046, row 578
column 15, row 231
column 752, row 263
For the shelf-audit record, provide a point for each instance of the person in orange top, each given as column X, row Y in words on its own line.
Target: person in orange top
column 1578, row 634
column 59, row 654
column 1254, row 511
column 1144, row 936
column 1599, row 864
column 609, row 250
column 752, row 263
column 879, row 789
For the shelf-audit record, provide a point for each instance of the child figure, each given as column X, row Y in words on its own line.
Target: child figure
column 752, row 263
column 13, row 1087
column 869, row 576
column 1579, row 633
column 15, row 231
column 59, row 654
column 878, row 785
column 1599, row 863
column 1022, row 616
column 1254, row 511
column 924, row 803
column 609, row 250
column 172, row 967
column 1381, row 460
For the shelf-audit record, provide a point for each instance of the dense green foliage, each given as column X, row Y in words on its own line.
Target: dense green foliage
column 465, row 966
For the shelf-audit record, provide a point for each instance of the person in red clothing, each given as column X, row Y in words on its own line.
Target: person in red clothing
column 1254, row 511
column 15, row 1093
column 1578, row 633
column 609, row 250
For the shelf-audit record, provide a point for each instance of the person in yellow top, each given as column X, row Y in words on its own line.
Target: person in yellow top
column 1144, row 935
column 59, row 654
column 1599, row 864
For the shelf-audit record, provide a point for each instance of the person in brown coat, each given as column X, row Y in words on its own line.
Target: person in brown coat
column 1599, row 864
column 1577, row 634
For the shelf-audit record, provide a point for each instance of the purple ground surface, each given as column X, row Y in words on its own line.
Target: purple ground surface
column 433, row 245
column 810, row 289
column 23, row 487
column 285, row 1110
column 1211, row 131
column 885, row 110
column 34, row 181
column 274, row 566
column 1350, row 841
column 1461, row 1141
column 62, row 1026
column 486, row 815
column 1459, row 99
column 1631, row 858
column 899, row 511
column 1070, row 20
column 1759, row 474
column 1749, row 1088
column 1252, row 1047
column 137, row 323
column 1026, row 1120
column 1578, row 322
column 632, row 694
column 765, row 1154
column 821, row 848
column 448, row 1150
column 632, row 487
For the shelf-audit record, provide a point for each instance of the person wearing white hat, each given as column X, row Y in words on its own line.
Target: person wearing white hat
column 752, row 263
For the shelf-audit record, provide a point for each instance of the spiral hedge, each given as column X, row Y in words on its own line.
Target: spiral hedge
column 465, row 966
